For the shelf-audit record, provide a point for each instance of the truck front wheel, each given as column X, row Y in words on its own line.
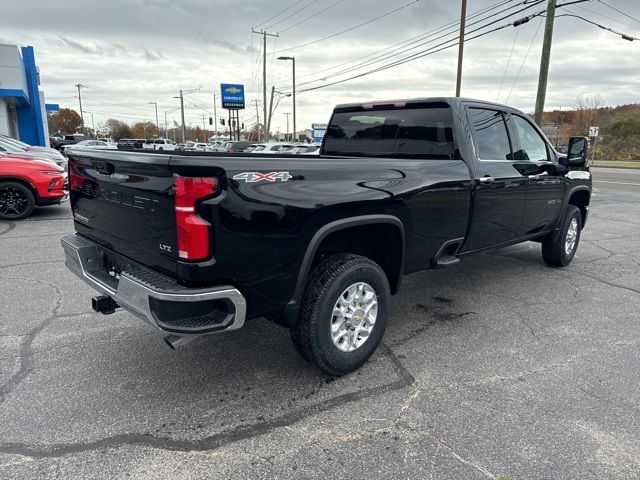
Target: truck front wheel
column 560, row 252
column 343, row 314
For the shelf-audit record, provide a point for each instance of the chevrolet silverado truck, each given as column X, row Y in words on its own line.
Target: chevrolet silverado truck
column 197, row 242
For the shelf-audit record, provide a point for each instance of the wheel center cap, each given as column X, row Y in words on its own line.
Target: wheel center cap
column 357, row 318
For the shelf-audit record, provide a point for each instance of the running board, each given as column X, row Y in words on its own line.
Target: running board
column 445, row 261
column 446, row 256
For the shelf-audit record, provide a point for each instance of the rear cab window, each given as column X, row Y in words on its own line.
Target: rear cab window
column 422, row 130
column 490, row 137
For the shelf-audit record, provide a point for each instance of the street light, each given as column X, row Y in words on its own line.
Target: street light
column 157, row 124
column 293, row 61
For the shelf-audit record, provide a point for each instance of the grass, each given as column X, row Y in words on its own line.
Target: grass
column 615, row 164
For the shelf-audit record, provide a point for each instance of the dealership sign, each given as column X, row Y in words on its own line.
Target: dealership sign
column 317, row 131
column 232, row 96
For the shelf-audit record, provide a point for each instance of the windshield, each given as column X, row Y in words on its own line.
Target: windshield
column 424, row 131
column 10, row 146
column 17, row 143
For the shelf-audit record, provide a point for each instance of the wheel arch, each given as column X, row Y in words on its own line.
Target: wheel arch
column 338, row 230
column 23, row 181
column 579, row 197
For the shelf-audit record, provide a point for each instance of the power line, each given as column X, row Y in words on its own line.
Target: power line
column 623, row 35
column 350, row 28
column 419, row 43
column 619, row 11
column 401, row 46
column 115, row 92
column 291, row 15
column 117, row 105
column 598, row 14
column 310, row 16
column 279, row 13
column 506, row 68
column 533, row 39
column 435, row 48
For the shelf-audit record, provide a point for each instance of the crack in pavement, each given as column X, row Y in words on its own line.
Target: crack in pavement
column 242, row 432
column 26, row 359
column 39, row 262
column 10, row 226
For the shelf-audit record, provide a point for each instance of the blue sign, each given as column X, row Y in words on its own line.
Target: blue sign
column 317, row 131
column 232, row 96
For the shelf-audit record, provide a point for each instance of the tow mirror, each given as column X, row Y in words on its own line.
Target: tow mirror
column 577, row 152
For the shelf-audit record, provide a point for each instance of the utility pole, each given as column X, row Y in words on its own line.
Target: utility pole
column 166, row 126
column 258, row 117
column 93, row 126
column 544, row 62
column 463, row 18
column 264, row 74
column 157, row 123
column 184, row 128
column 79, row 85
column 273, row 89
column 287, row 139
column 215, row 115
column 293, row 62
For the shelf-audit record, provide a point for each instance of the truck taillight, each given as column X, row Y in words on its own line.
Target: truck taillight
column 193, row 231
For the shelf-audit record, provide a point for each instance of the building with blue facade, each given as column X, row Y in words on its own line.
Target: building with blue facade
column 23, row 112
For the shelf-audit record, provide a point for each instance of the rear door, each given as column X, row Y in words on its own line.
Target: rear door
column 500, row 188
column 125, row 202
column 546, row 185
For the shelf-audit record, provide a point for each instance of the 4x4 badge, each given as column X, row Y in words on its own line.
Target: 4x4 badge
column 252, row 177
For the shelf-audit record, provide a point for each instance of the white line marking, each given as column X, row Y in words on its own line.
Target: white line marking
column 617, row 183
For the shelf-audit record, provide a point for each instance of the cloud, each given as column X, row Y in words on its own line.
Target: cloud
column 152, row 56
column 146, row 50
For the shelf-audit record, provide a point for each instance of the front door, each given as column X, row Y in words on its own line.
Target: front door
column 500, row 189
column 546, row 185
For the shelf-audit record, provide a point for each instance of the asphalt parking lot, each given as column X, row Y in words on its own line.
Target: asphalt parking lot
column 498, row 368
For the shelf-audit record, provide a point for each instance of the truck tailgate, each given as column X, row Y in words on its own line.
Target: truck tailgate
column 124, row 201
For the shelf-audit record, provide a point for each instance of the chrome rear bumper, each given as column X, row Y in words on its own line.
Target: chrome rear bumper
column 153, row 297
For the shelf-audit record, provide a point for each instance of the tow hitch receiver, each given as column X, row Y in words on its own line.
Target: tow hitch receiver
column 104, row 304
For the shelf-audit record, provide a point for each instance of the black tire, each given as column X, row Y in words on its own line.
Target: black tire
column 554, row 253
column 327, row 282
column 16, row 201
column 161, row 148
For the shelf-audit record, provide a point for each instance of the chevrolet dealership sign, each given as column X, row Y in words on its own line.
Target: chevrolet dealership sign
column 232, row 96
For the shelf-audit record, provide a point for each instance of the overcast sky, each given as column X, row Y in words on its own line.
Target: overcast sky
column 130, row 52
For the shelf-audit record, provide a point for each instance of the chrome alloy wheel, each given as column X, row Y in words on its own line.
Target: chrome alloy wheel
column 354, row 316
column 572, row 235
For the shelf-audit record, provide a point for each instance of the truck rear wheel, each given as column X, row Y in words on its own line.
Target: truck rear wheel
column 560, row 252
column 343, row 314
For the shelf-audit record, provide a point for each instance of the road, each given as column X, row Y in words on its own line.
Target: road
column 498, row 368
column 617, row 179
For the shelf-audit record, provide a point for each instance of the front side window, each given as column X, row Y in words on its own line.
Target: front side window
column 533, row 148
column 490, row 136
column 421, row 130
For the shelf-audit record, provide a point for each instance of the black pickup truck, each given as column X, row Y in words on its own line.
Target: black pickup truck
column 196, row 243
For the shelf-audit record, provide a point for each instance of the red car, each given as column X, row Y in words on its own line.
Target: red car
column 26, row 182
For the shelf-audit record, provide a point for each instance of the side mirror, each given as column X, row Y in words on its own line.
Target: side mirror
column 577, row 152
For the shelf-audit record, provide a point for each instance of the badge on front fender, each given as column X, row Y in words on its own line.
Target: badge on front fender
column 252, row 177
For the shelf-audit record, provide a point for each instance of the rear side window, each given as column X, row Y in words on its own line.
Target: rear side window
column 490, row 134
column 404, row 132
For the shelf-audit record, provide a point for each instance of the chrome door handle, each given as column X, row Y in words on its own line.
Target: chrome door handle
column 539, row 175
column 486, row 179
